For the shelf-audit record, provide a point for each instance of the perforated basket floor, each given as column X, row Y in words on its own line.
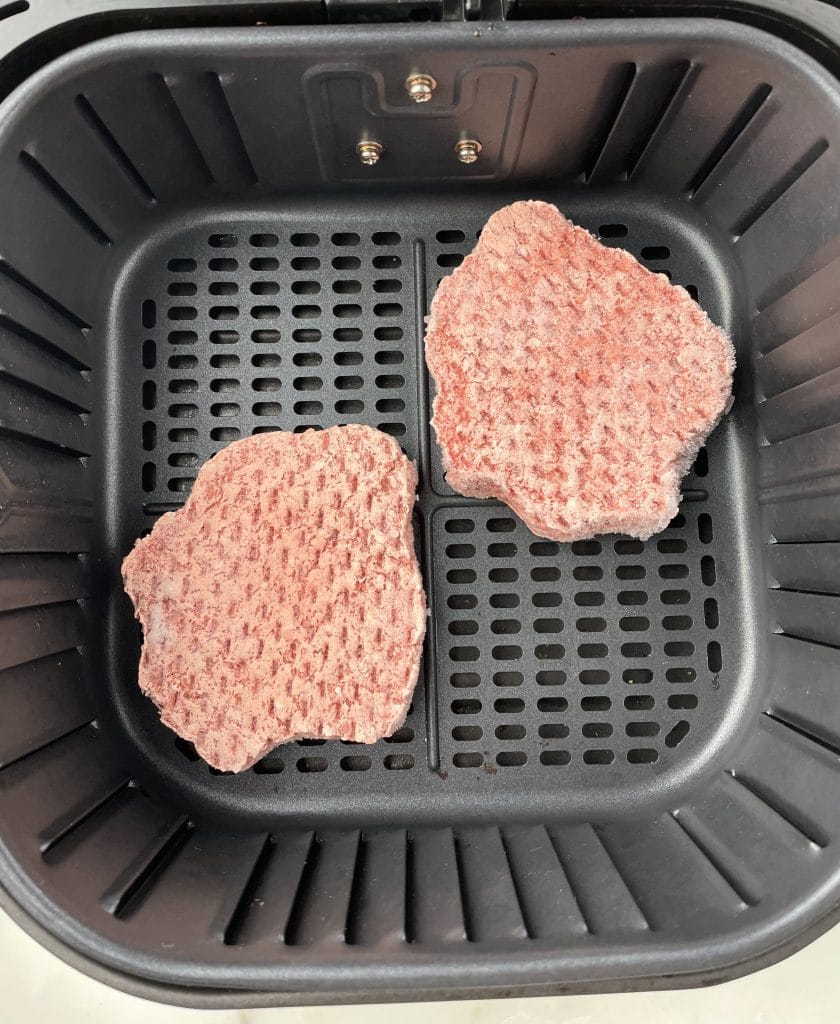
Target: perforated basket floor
column 555, row 676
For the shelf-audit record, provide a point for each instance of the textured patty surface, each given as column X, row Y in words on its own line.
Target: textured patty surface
column 284, row 600
column 572, row 383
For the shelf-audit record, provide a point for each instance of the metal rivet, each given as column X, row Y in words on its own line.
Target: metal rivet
column 369, row 152
column 420, row 87
column 468, row 150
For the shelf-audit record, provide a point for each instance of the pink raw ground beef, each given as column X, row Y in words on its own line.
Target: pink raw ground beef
column 571, row 382
column 284, row 600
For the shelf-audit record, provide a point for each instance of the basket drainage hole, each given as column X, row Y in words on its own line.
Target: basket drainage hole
column 181, row 266
column 148, row 476
column 450, row 237
column 551, row 677
column 181, row 312
column 355, row 763
column 598, row 757
column 466, row 707
column 553, row 731
column 682, row 701
column 642, row 755
column 511, row 758
column 345, row 238
column 613, row 231
column 403, row 735
column 510, row 732
column 677, row 734
column 225, row 434
column 467, row 733
column 707, row 570
column 398, row 762
column 556, row 705
column 655, row 252
column 642, row 728
column 463, row 627
column 555, row 757
column 346, row 262
column 461, row 576
column 508, row 678
column 512, row 706
column 459, row 526
column 637, row 650
column 637, row 676
column 270, row 765
column 640, row 703
column 505, row 525
column 301, row 263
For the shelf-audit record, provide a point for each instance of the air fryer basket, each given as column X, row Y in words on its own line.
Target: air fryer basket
column 622, row 758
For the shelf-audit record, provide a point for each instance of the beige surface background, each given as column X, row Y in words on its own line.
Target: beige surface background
column 37, row 988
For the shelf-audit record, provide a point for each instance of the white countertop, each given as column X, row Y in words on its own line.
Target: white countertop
column 36, row 987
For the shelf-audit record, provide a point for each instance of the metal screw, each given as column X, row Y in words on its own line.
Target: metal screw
column 468, row 150
column 420, row 87
column 369, row 152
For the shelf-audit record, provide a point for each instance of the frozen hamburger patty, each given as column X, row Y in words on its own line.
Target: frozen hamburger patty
column 284, row 600
column 572, row 383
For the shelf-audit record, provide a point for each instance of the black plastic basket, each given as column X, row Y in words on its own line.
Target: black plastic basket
column 622, row 760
